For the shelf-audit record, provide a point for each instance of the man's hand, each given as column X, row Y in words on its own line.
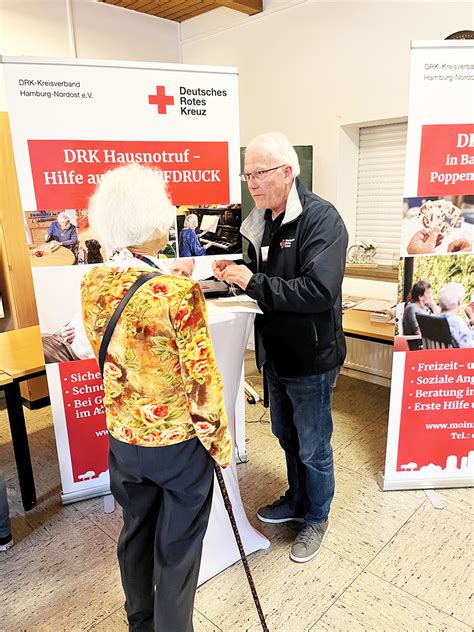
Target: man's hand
column 423, row 243
column 460, row 245
column 219, row 266
column 238, row 275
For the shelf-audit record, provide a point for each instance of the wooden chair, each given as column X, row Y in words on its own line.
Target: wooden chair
column 435, row 332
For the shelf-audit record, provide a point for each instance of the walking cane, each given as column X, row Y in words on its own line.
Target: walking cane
column 243, row 557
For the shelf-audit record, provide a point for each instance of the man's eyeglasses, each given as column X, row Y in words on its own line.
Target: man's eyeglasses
column 258, row 175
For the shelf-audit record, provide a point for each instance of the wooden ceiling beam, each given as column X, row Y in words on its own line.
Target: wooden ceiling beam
column 167, row 8
column 176, row 6
column 140, row 5
column 193, row 12
column 152, row 6
column 250, row 7
column 124, row 4
column 180, row 10
column 127, row 4
column 189, row 10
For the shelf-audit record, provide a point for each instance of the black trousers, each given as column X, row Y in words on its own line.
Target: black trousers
column 166, row 496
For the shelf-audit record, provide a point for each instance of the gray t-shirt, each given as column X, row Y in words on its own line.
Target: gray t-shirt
column 409, row 322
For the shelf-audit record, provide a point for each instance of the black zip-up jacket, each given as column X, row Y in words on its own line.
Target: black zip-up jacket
column 300, row 293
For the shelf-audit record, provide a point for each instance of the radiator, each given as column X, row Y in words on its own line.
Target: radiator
column 365, row 360
column 371, row 360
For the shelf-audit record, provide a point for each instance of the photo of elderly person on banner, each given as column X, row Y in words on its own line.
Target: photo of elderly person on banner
column 163, row 400
column 63, row 231
column 189, row 244
column 297, row 246
column 450, row 299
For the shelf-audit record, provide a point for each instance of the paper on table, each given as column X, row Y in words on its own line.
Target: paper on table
column 241, row 298
column 381, row 317
column 234, row 308
column 374, row 305
column 231, row 304
column 347, row 304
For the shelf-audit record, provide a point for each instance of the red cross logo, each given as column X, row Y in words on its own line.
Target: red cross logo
column 160, row 99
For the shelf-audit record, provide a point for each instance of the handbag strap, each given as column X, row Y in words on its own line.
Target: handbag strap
column 109, row 330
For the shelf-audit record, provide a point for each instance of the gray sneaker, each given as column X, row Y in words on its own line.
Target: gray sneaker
column 308, row 541
column 279, row 511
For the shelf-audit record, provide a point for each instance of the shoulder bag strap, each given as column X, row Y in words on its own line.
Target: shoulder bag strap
column 116, row 315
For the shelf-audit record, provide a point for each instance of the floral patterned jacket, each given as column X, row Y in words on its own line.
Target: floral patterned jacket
column 162, row 385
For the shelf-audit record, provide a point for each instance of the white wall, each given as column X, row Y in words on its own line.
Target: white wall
column 85, row 29
column 103, row 31
column 306, row 67
column 309, row 67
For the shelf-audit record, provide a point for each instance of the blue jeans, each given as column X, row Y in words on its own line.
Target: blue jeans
column 300, row 409
column 5, row 529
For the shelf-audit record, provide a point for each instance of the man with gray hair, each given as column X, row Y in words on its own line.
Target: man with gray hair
column 64, row 231
column 297, row 247
column 450, row 298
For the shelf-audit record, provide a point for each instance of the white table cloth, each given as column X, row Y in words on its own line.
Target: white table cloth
column 229, row 332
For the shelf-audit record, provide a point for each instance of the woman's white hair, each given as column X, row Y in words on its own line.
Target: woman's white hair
column 131, row 207
column 451, row 296
column 191, row 221
column 277, row 146
column 63, row 217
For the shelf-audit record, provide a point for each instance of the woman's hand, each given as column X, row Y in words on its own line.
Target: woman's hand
column 460, row 245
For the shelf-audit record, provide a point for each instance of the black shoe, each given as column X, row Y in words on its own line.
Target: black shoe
column 278, row 512
column 6, row 543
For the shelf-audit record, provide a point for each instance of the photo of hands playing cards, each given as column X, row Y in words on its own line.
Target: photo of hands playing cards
column 437, row 225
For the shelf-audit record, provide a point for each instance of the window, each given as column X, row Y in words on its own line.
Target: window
column 380, row 180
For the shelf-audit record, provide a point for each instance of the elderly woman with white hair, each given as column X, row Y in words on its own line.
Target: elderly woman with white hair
column 163, row 401
column 450, row 298
column 189, row 244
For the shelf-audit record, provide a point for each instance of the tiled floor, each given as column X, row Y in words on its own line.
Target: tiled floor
column 390, row 562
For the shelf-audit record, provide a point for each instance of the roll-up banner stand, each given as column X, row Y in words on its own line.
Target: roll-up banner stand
column 431, row 421
column 71, row 121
